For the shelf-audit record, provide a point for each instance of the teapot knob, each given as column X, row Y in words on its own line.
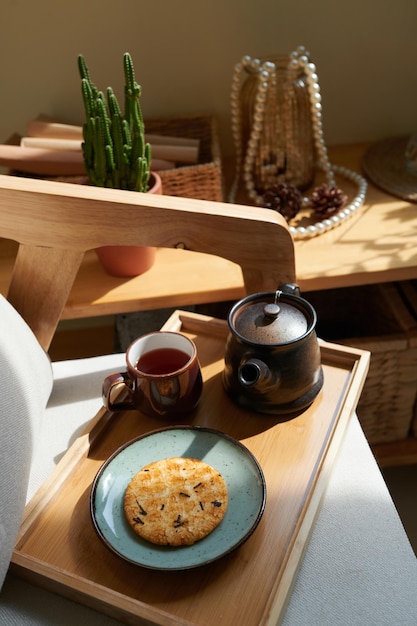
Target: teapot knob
column 271, row 310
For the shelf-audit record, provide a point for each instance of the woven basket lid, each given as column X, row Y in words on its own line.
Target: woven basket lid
column 384, row 165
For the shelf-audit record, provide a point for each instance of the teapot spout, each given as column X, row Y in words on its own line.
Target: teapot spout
column 254, row 373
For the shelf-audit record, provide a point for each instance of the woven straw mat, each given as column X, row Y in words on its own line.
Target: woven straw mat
column 384, row 165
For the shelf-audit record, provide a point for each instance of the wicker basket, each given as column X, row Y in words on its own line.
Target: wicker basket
column 203, row 180
column 408, row 290
column 376, row 318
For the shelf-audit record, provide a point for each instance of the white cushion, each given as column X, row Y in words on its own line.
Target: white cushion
column 75, row 399
column 25, row 386
column 359, row 568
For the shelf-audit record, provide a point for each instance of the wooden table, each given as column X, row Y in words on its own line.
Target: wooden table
column 379, row 244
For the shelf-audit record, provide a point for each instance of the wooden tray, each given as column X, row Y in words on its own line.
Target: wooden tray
column 58, row 548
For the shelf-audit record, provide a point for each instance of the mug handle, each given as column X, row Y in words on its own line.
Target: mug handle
column 109, row 385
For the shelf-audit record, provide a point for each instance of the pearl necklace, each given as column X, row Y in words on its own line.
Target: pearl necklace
column 266, row 77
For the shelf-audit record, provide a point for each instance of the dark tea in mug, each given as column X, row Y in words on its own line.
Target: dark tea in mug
column 162, row 361
column 162, row 379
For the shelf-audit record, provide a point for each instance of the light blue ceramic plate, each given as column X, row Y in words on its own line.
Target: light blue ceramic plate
column 241, row 471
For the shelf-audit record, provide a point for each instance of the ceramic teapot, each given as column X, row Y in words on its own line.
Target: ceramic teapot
column 272, row 357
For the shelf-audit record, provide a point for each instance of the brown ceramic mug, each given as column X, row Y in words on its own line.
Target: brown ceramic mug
column 163, row 376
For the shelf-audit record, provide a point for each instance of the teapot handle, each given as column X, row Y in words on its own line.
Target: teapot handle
column 290, row 289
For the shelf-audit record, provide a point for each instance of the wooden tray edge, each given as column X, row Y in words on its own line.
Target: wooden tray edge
column 279, row 597
column 358, row 361
column 84, row 591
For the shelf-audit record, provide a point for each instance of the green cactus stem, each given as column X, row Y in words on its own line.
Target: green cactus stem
column 114, row 148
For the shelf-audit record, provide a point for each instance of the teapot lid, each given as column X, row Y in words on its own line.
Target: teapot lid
column 270, row 318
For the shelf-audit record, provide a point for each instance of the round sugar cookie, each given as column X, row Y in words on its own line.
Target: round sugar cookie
column 175, row 501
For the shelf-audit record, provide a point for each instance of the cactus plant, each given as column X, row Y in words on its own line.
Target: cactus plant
column 114, row 148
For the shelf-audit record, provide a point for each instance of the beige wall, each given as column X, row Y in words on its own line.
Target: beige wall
column 184, row 52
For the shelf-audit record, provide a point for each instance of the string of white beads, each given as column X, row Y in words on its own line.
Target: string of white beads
column 244, row 166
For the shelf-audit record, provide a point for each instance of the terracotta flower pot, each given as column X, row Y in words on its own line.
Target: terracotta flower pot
column 125, row 261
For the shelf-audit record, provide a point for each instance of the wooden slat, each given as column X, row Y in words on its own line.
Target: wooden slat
column 85, row 217
column 58, row 222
